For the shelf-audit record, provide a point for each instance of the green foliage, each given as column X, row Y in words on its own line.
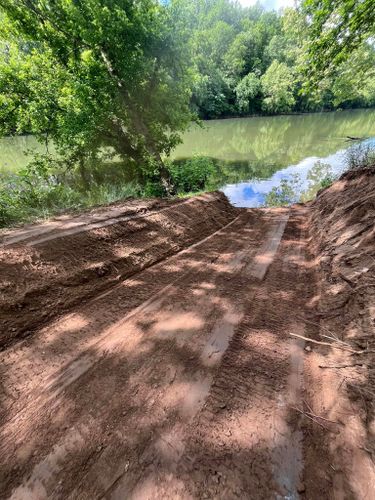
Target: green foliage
column 228, row 43
column 326, row 182
column 337, row 27
column 192, row 175
column 94, row 74
column 246, row 93
column 120, row 79
column 35, row 193
column 277, row 87
column 360, row 156
column 39, row 192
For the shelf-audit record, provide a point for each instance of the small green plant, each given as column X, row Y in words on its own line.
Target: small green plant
column 326, row 182
column 360, row 156
column 34, row 195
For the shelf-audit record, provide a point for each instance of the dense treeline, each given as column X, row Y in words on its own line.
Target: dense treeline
column 248, row 60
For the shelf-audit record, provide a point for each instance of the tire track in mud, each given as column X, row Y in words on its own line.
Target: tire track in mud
column 161, row 479
column 246, row 441
column 181, row 382
column 34, row 410
column 64, row 226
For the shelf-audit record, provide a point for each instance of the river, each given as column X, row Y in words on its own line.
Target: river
column 261, row 154
column 255, row 156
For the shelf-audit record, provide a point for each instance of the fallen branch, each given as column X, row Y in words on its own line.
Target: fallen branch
column 323, row 418
column 308, row 416
column 329, row 344
column 365, row 351
column 312, row 414
column 318, row 325
column 341, row 366
column 336, row 340
column 308, row 406
column 314, row 418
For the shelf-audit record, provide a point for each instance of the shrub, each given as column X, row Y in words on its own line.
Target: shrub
column 191, row 175
column 360, row 156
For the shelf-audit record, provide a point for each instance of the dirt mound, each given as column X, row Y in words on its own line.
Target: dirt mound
column 46, row 269
column 342, row 379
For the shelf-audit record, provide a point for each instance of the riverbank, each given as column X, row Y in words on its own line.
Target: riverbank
column 180, row 348
column 256, row 162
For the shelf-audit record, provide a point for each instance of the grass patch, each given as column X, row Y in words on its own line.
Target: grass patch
column 38, row 193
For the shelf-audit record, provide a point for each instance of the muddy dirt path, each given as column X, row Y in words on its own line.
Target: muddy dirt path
column 124, row 397
column 181, row 381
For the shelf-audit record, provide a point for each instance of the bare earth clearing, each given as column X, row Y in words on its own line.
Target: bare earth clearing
column 153, row 350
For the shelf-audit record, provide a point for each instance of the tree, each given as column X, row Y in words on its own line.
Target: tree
column 246, row 92
column 121, row 76
column 337, row 27
column 277, row 87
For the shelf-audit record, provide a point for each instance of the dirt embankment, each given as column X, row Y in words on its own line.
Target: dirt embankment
column 341, row 380
column 48, row 268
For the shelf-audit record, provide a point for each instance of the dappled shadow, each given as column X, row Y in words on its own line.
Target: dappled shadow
column 136, row 378
column 42, row 281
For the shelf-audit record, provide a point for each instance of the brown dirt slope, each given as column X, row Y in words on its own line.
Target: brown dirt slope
column 46, row 269
column 340, row 383
column 190, row 378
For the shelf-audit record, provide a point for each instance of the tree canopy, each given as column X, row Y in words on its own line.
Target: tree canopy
column 337, row 28
column 94, row 73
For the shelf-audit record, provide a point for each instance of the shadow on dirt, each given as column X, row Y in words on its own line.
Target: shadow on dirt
column 139, row 403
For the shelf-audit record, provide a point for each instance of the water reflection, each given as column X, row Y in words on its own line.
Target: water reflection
column 264, row 159
column 277, row 140
column 294, row 183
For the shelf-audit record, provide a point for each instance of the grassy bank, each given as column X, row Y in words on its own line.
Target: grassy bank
column 37, row 193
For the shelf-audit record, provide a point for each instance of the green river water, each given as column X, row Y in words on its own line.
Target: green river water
column 258, row 154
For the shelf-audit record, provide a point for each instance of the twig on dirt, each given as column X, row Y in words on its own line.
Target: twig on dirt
column 365, row 351
column 329, row 344
column 308, row 406
column 341, row 366
column 318, row 325
column 347, row 280
column 312, row 414
column 363, row 286
column 310, row 417
column 342, row 381
column 365, row 449
column 336, row 340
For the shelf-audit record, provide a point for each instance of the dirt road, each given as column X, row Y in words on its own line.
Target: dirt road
column 179, row 381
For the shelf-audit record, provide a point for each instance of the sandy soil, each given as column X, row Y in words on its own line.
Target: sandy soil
column 180, row 378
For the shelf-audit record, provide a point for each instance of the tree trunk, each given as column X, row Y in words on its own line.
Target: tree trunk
column 140, row 127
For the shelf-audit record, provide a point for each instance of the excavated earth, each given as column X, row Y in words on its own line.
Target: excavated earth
column 157, row 349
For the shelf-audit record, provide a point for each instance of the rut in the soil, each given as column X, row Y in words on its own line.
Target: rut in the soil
column 121, row 414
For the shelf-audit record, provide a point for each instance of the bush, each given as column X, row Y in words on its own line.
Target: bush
column 31, row 195
column 191, row 175
column 38, row 192
column 360, row 156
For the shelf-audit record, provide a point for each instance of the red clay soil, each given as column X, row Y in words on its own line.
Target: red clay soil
column 180, row 378
column 47, row 268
